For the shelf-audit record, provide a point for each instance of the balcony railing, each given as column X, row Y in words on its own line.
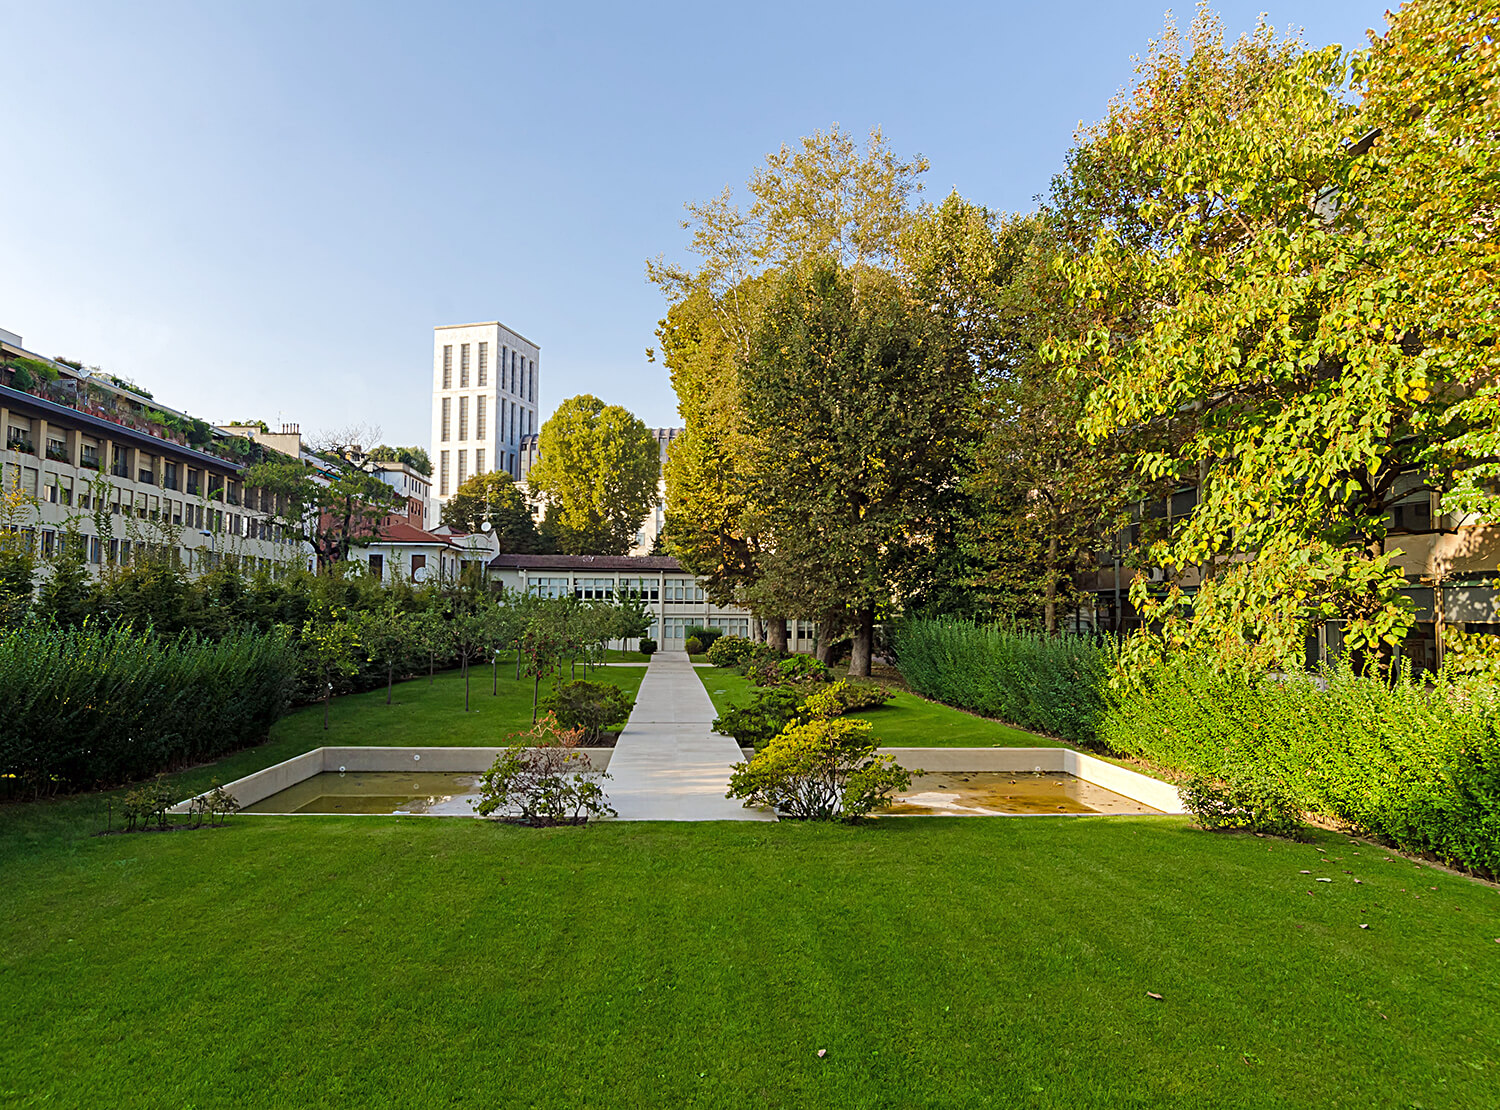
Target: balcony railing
column 25, row 446
column 57, row 453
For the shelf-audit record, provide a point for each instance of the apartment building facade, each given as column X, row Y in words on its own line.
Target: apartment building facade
column 485, row 392
column 1450, row 561
column 127, row 474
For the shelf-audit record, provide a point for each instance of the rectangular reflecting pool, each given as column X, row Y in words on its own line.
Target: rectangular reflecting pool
column 1006, row 793
column 431, row 792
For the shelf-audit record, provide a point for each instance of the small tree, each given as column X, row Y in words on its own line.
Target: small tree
column 468, row 635
column 389, row 640
column 632, row 618
column 541, row 649
column 589, row 706
column 329, row 654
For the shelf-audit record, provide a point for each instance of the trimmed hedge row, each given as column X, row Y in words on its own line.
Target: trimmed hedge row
column 1053, row 684
column 1415, row 765
column 90, row 706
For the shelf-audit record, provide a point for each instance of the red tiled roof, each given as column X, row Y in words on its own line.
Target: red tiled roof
column 401, row 532
column 585, row 562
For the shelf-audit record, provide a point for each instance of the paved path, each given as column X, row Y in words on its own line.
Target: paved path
column 667, row 764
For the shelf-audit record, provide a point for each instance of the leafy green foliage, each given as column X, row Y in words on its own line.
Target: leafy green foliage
column 597, row 467
column 543, row 782
column 88, row 706
column 1248, row 802
column 414, row 457
column 647, row 646
column 704, row 635
column 494, row 498
column 693, row 646
column 1414, row 765
column 768, row 669
column 729, row 651
column 1054, row 684
column 146, row 806
column 590, row 707
column 820, row 770
column 770, row 711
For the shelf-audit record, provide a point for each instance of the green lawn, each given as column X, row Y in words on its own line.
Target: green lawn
column 370, row 962
column 433, row 714
column 906, row 721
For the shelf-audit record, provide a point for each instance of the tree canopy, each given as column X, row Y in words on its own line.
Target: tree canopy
column 597, row 469
column 495, row 498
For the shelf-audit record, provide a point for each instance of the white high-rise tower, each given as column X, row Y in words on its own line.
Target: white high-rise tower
column 484, row 404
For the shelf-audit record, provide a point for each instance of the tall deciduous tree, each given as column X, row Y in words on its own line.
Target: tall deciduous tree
column 1263, row 314
column 332, row 513
column 861, row 404
column 597, row 468
column 494, row 498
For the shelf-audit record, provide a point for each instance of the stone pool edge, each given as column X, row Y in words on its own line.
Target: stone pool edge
column 259, row 785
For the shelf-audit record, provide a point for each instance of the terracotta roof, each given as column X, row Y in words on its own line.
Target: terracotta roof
column 401, row 532
column 585, row 562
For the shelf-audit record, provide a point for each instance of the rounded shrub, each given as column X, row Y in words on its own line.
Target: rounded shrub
column 693, row 646
column 648, row 647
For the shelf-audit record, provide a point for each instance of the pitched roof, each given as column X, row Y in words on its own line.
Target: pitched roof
column 585, row 562
column 402, row 532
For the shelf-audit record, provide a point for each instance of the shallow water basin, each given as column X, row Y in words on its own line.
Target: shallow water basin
column 430, row 792
column 1006, row 793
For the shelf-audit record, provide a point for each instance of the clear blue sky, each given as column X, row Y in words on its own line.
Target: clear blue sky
column 262, row 209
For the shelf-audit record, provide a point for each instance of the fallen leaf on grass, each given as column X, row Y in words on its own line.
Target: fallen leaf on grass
column 1153, row 994
column 1321, row 880
column 1304, row 872
column 822, row 1052
column 1364, row 926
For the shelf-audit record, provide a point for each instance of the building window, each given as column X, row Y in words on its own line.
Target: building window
column 463, row 465
column 479, row 412
column 531, row 376
column 443, row 473
column 511, row 465
column 377, row 565
column 463, row 420
column 484, row 363
column 463, row 366
column 547, row 587
column 512, row 423
column 448, row 366
column 501, row 366
column 595, row 589
column 419, row 562
column 447, row 420
column 479, row 458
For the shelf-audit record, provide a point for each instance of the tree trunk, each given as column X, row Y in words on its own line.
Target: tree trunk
column 518, row 660
column 494, row 675
column 1050, row 607
column 390, row 677
column 825, row 640
column 776, row 633
column 431, row 666
column 326, row 699
column 536, row 685
column 466, row 685
column 864, row 641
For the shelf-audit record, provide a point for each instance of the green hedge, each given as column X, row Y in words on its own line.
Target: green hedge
column 89, row 706
column 1052, row 684
column 1416, row 765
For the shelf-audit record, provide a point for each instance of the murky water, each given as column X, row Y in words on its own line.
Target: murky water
column 1001, row 793
column 375, row 792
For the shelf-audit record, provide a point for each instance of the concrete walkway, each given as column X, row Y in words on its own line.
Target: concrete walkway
column 668, row 765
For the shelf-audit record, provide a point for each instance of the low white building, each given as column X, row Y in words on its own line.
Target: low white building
column 675, row 598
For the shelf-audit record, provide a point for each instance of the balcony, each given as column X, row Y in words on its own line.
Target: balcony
column 58, row 452
column 21, row 444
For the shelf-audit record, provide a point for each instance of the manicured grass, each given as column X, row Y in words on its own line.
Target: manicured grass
column 371, row 962
column 906, row 721
column 433, row 714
